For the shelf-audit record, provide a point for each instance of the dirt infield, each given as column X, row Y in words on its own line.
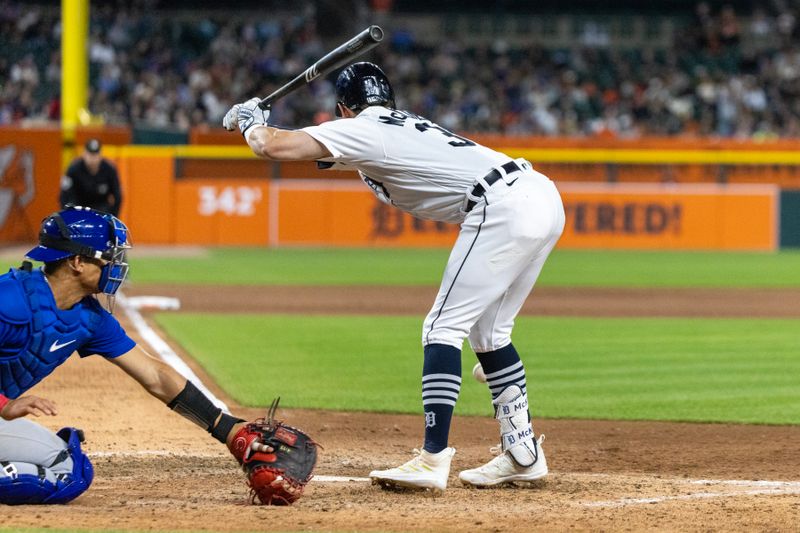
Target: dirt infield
column 156, row 471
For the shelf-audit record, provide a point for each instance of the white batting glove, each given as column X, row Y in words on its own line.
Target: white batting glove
column 245, row 115
column 231, row 120
column 251, row 116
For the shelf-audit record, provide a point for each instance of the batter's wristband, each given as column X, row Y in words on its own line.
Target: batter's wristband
column 3, row 402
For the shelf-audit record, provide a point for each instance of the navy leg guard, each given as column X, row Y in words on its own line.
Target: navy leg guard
column 20, row 488
column 82, row 474
column 28, row 484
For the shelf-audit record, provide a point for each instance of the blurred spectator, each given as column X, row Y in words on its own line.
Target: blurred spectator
column 728, row 27
column 92, row 181
column 728, row 73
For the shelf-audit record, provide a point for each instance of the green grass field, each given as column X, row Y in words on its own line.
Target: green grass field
column 424, row 267
column 635, row 369
column 381, row 266
column 656, row 369
column 569, row 268
column 741, row 370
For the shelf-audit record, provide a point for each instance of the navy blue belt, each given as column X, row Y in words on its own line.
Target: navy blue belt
column 491, row 178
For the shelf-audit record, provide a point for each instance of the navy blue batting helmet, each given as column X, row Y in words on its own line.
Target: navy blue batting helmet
column 362, row 85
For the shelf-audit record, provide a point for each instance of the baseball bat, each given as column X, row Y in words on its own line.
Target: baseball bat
column 363, row 42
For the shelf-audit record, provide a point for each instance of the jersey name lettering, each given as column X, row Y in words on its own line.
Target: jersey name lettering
column 393, row 119
column 398, row 118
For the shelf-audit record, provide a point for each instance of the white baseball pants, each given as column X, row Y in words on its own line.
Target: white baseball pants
column 500, row 251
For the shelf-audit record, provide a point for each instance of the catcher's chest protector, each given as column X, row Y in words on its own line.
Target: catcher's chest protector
column 53, row 334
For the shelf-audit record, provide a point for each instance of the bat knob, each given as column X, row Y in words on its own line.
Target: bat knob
column 376, row 33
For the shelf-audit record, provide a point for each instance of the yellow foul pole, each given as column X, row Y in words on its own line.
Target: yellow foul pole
column 74, row 64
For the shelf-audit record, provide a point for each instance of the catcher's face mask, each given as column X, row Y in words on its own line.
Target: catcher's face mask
column 116, row 270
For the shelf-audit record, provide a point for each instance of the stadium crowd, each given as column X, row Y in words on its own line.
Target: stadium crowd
column 177, row 72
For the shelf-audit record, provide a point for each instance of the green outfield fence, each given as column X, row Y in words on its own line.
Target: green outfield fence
column 790, row 218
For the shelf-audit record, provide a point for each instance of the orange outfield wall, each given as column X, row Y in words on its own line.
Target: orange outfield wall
column 162, row 209
column 314, row 212
column 30, row 172
column 680, row 217
column 230, row 213
column 148, row 197
column 229, row 210
column 166, row 201
column 622, row 216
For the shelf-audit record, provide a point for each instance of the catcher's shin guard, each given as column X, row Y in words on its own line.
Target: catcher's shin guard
column 516, row 432
column 28, row 484
column 25, row 484
column 82, row 474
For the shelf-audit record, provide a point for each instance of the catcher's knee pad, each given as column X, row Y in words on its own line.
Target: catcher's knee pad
column 24, row 483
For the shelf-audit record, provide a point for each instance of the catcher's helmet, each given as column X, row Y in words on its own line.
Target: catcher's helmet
column 84, row 231
column 362, row 85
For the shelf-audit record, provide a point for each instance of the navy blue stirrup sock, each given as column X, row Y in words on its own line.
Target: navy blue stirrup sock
column 441, row 383
column 502, row 367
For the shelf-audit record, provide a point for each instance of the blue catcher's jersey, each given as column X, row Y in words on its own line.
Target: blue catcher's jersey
column 36, row 336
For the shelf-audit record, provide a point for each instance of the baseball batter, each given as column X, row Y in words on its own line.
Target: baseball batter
column 511, row 217
column 47, row 314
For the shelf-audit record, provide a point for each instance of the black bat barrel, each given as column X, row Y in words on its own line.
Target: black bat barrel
column 361, row 43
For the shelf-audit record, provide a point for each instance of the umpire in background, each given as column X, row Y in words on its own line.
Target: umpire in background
column 92, row 181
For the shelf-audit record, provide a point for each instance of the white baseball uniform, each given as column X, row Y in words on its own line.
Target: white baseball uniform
column 511, row 216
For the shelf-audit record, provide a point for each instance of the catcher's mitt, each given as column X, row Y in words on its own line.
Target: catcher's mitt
column 277, row 477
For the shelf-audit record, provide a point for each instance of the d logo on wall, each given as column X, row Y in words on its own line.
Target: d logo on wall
column 17, row 190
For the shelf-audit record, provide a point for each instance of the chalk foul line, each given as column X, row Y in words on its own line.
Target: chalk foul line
column 159, row 345
column 743, row 487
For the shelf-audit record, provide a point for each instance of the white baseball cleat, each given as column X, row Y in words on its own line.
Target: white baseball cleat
column 504, row 469
column 426, row 471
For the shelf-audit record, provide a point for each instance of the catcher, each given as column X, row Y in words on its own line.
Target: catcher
column 47, row 314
